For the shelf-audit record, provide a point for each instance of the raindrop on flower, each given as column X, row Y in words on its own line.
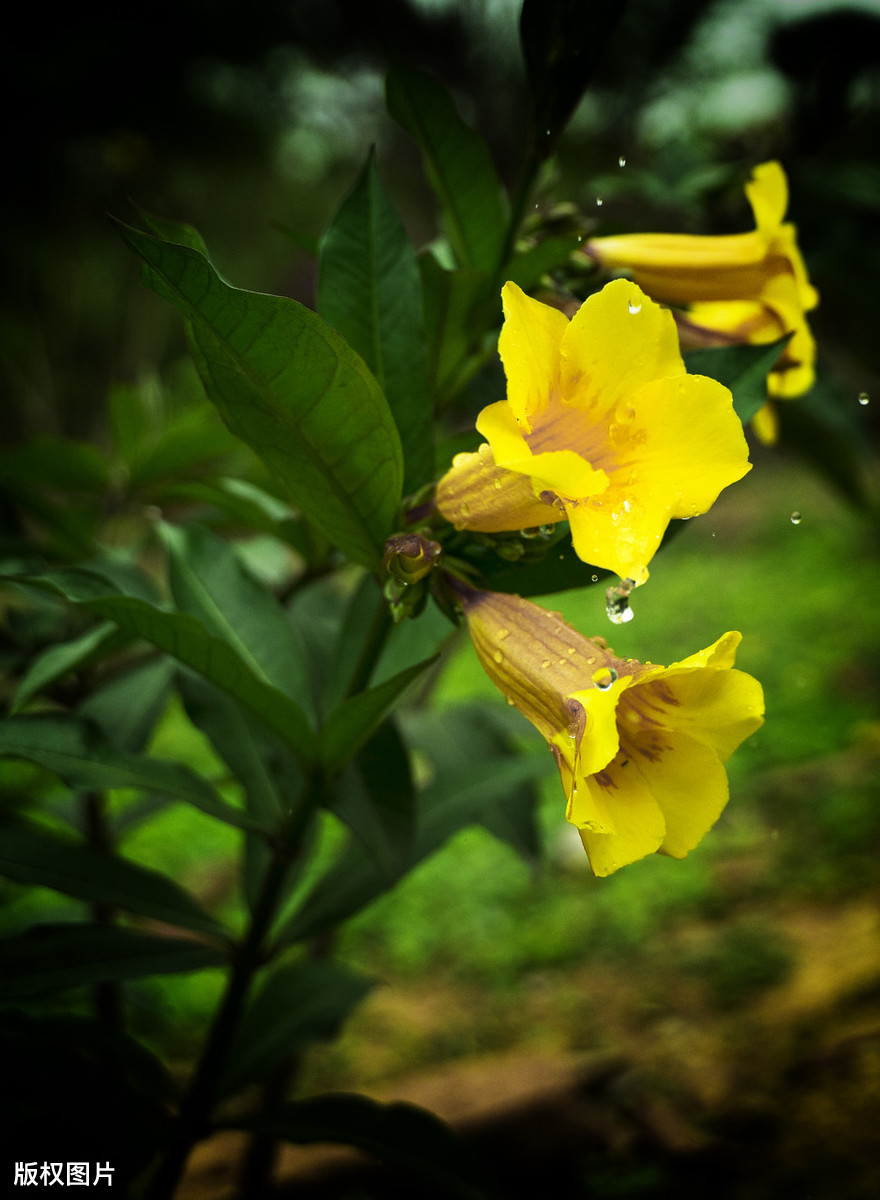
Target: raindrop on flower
column 498, row 656
column 498, row 484
column 464, row 509
column 864, row 398
column 621, row 162
column 502, row 634
column 795, row 518
column 604, row 677
column 634, row 306
column 546, row 663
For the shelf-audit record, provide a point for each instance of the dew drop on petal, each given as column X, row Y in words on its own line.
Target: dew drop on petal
column 464, row 508
column 864, row 399
column 634, row 306
column 510, row 700
column 502, row 634
column 604, row 677
column 498, row 656
column 795, row 518
column 546, row 663
column 498, row 484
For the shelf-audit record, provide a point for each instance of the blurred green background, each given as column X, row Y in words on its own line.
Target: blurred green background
column 678, row 1023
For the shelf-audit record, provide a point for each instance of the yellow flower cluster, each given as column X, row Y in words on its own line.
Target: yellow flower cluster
column 603, row 427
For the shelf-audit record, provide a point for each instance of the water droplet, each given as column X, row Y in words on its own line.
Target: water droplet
column 571, row 650
column 621, row 162
column 464, row 508
column 532, row 532
column 498, row 656
column 510, row 700
column 622, row 617
column 546, row 530
column 864, row 399
column 795, row 518
column 634, row 306
column 617, row 602
column 604, row 677
column 599, row 202
column 595, row 578
column 498, row 484
column 546, row 663
column 502, row 634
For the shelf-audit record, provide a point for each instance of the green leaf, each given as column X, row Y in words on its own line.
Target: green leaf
column 291, row 388
column 209, row 580
column 57, row 661
column 375, row 798
column 40, row 859
column 60, row 956
column 296, row 1005
column 185, row 638
column 75, row 751
column 562, row 43
column 266, row 770
column 127, row 707
column 742, row 369
column 444, row 807
column 370, row 291
column 356, row 720
column 458, row 166
column 401, row 1134
column 62, row 464
column 450, row 300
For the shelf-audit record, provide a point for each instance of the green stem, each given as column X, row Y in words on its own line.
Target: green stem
column 192, row 1124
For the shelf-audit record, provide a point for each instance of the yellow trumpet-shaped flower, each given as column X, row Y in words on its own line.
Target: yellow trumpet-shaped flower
column 640, row 748
column 602, row 426
column 744, row 287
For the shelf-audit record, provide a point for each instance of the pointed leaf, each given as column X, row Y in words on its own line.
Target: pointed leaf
column 40, row 859
column 57, row 661
column 374, row 796
column 450, row 299
column 370, row 290
column 209, row 580
column 287, row 384
column 401, row 1134
column 296, row 1005
column 445, row 807
column 457, row 163
column 354, row 722
column 49, row 957
column 186, row 639
column 76, row 752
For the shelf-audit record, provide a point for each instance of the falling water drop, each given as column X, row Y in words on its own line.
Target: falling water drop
column 604, row 677
column 617, row 602
column 621, row 162
column 864, row 399
column 599, row 202
column 795, row 518
column 595, row 578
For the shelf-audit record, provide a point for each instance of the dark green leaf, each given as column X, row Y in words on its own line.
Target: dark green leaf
column 458, row 166
column 559, row 571
column 562, row 43
column 186, row 639
column 375, row 798
column 296, row 1005
column 444, row 807
column 76, row 752
column 127, row 707
column 57, row 661
column 292, row 389
column 528, row 268
column 742, row 369
column 266, row 770
column 60, row 956
column 370, row 291
column 450, row 300
column 209, row 580
column 40, row 859
column 356, row 720
column 58, row 463
column 400, row 1134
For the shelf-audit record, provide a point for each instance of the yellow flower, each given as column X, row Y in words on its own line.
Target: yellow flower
column 640, row 748
column 602, row 426
column 744, row 287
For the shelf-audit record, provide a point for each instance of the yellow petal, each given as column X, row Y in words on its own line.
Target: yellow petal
column 719, row 709
column 690, row 788
column 616, row 341
column 624, row 540
column 599, row 741
column 767, row 192
column 619, row 794
column 765, row 423
column 529, row 349
column 721, row 654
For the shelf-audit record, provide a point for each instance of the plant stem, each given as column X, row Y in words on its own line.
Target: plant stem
column 195, row 1109
column 374, row 644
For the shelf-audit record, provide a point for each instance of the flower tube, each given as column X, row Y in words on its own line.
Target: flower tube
column 640, row 748
column 746, row 287
column 602, row 426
